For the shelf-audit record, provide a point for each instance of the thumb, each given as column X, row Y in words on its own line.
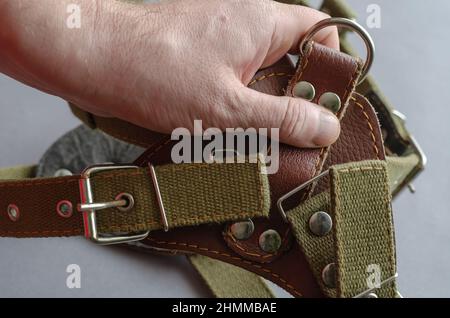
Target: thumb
column 300, row 122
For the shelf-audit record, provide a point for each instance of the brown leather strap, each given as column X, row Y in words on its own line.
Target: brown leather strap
column 119, row 129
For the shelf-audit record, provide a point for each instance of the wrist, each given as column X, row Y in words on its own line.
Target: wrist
column 123, row 37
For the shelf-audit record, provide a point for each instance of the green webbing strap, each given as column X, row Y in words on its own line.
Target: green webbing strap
column 362, row 238
column 17, row 172
column 229, row 281
column 192, row 194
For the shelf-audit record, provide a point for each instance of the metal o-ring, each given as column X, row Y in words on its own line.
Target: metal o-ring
column 347, row 24
column 129, row 201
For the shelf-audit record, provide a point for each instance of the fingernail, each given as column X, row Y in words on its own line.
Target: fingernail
column 328, row 130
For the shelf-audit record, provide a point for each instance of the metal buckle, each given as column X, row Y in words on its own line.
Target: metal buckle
column 89, row 207
column 297, row 189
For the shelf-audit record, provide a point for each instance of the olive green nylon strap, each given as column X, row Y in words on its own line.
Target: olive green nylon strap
column 364, row 232
column 362, row 239
column 229, row 281
column 17, row 172
column 399, row 168
column 192, row 194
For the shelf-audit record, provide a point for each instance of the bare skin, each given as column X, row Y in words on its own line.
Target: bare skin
column 161, row 66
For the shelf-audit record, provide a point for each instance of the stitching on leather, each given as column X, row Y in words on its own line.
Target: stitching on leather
column 267, row 76
column 245, row 251
column 372, row 132
column 278, row 277
column 303, row 68
column 350, row 87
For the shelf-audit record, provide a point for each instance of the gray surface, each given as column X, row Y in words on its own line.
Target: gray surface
column 412, row 66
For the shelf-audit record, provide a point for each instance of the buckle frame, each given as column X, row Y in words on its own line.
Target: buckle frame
column 295, row 190
column 89, row 207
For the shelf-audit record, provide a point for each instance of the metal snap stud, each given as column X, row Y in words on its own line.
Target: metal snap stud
column 129, row 201
column 62, row 173
column 270, row 241
column 304, row 90
column 371, row 295
column 13, row 212
column 320, row 223
column 64, row 208
column 329, row 275
column 242, row 230
column 330, row 101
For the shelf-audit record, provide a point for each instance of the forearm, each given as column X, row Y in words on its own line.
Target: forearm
column 40, row 47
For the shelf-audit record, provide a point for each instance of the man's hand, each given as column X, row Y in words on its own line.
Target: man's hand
column 161, row 66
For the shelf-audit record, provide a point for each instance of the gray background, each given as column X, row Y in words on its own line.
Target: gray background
column 412, row 67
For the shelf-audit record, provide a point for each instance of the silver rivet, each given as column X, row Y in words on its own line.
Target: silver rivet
column 64, row 208
column 270, row 241
column 330, row 101
column 304, row 90
column 329, row 275
column 129, row 201
column 13, row 212
column 62, row 173
column 320, row 223
column 242, row 230
column 371, row 295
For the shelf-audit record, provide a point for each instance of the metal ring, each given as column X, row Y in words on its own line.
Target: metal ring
column 350, row 25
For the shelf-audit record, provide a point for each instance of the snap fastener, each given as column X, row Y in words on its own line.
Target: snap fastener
column 304, row 90
column 13, row 212
column 62, row 173
column 64, row 208
column 320, row 223
column 371, row 295
column 270, row 241
column 242, row 230
column 330, row 101
column 329, row 275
